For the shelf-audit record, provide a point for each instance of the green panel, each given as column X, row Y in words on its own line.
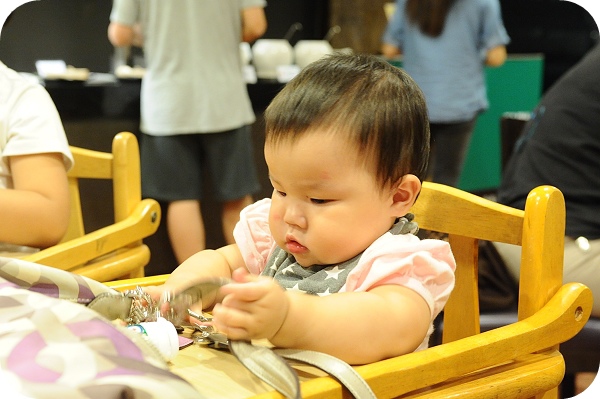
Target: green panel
column 515, row 86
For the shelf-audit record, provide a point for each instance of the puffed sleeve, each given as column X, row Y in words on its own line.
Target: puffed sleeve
column 425, row 266
column 253, row 236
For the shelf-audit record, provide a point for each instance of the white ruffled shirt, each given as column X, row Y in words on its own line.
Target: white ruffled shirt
column 425, row 266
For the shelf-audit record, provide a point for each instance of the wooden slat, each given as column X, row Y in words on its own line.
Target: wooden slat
column 450, row 210
column 461, row 313
column 90, row 164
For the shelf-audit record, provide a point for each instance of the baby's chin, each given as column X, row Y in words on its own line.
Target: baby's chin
column 312, row 261
column 304, row 262
column 308, row 258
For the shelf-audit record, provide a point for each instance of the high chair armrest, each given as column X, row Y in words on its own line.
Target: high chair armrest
column 492, row 352
column 132, row 283
column 142, row 222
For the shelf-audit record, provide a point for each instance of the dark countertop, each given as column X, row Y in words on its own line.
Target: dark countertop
column 104, row 95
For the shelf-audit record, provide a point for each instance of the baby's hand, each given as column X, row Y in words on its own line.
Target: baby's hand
column 155, row 291
column 172, row 307
column 252, row 308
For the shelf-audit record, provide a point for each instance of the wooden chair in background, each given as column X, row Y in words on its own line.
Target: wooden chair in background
column 520, row 360
column 114, row 251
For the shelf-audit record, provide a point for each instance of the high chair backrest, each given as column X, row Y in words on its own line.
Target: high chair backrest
column 467, row 218
column 119, row 244
column 122, row 167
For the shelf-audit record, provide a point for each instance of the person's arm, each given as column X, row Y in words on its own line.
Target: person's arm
column 493, row 36
column 358, row 327
column 393, row 36
column 390, row 51
column 36, row 211
column 121, row 35
column 254, row 23
column 496, row 56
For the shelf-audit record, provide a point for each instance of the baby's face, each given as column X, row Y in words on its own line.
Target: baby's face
column 327, row 206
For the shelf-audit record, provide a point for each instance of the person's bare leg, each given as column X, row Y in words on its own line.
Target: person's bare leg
column 231, row 215
column 185, row 228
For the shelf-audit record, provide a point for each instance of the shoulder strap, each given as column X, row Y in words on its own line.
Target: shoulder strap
column 269, row 366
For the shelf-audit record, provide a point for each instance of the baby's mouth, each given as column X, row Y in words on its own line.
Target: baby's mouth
column 294, row 247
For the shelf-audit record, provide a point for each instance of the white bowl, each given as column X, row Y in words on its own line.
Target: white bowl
column 307, row 51
column 268, row 54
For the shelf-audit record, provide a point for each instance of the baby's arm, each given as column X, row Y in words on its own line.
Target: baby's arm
column 358, row 327
column 200, row 266
column 35, row 212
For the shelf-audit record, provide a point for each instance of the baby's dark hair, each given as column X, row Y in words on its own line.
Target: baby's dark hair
column 376, row 105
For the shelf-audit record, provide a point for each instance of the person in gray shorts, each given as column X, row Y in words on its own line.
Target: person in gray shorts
column 195, row 108
column 174, row 168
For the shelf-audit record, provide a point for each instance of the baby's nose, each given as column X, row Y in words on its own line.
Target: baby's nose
column 294, row 216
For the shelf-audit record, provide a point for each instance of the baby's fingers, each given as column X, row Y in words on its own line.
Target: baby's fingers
column 241, row 275
column 230, row 322
column 249, row 291
column 155, row 291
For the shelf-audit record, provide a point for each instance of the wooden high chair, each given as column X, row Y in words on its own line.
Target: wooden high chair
column 117, row 250
column 520, row 360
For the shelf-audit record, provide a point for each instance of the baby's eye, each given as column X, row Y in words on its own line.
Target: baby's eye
column 281, row 193
column 319, row 201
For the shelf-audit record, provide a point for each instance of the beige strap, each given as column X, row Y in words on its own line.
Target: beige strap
column 268, row 366
column 335, row 367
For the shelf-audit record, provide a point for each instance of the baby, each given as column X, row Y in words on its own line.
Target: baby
column 330, row 262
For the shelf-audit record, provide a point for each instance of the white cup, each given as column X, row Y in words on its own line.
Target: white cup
column 307, row 51
column 268, row 54
column 162, row 334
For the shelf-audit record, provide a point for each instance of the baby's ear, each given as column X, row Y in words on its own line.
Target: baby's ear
column 405, row 194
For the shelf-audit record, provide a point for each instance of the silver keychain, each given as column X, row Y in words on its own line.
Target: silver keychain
column 143, row 307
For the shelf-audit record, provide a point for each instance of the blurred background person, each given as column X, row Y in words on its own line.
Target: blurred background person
column 560, row 146
column 196, row 115
column 34, row 160
column 445, row 45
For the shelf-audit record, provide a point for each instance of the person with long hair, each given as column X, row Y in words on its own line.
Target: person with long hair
column 446, row 45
